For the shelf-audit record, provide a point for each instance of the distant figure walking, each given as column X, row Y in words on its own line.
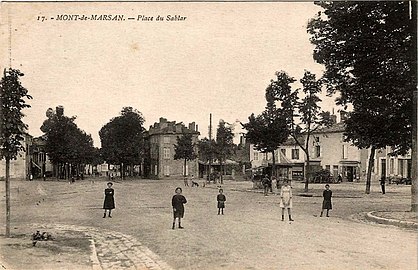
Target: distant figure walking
column 339, row 178
column 382, row 184
column 266, row 184
column 109, row 201
column 326, row 204
column 178, row 202
column 221, row 201
column 186, row 181
column 286, row 199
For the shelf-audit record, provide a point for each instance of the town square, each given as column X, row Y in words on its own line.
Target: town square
column 208, row 135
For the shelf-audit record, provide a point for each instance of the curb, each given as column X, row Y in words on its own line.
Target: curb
column 388, row 221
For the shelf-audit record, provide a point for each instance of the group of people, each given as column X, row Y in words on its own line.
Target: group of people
column 178, row 201
column 286, row 195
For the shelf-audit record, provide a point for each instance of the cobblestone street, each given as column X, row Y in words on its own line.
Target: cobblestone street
column 249, row 236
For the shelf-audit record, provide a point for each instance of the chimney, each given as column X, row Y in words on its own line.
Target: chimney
column 179, row 128
column 192, row 126
column 197, row 127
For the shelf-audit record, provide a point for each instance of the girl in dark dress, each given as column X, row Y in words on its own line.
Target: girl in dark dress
column 178, row 202
column 221, row 201
column 326, row 204
column 109, row 201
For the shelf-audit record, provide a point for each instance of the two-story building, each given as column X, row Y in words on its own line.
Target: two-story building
column 162, row 138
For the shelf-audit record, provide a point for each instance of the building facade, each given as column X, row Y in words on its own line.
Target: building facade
column 20, row 167
column 162, row 138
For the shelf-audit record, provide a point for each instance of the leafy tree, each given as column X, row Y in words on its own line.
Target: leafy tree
column 206, row 151
column 369, row 51
column 184, row 149
column 68, row 147
column 268, row 130
column 122, row 139
column 12, row 128
column 224, row 146
column 303, row 117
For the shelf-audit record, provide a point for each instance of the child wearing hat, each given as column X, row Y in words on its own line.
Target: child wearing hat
column 109, row 201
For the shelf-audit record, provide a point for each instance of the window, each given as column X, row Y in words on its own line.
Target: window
column 295, row 153
column 317, row 151
column 392, row 166
column 328, row 168
column 166, row 170
column 255, row 155
column 166, row 153
column 283, row 151
column 400, row 167
column 345, row 151
column 166, row 139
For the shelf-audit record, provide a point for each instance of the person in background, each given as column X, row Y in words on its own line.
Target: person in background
column 221, row 201
column 286, row 199
column 382, row 184
column 109, row 201
column 178, row 202
column 326, row 204
column 266, row 184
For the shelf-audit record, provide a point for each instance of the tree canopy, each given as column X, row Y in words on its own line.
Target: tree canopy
column 224, row 146
column 369, row 53
column 122, row 138
column 301, row 110
column 268, row 130
column 184, row 149
column 12, row 102
column 66, row 143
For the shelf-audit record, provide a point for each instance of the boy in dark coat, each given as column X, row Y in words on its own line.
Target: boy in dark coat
column 109, row 201
column 221, row 201
column 178, row 202
column 326, row 204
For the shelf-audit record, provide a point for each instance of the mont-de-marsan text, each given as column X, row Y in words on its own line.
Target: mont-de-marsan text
column 118, row 17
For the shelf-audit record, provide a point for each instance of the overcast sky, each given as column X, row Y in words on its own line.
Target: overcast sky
column 219, row 60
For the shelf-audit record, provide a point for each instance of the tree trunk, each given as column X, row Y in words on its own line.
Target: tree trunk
column 222, row 169
column 370, row 169
column 307, row 172
column 273, row 167
column 185, row 164
column 7, row 197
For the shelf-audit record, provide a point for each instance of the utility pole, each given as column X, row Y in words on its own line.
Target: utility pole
column 210, row 146
column 414, row 173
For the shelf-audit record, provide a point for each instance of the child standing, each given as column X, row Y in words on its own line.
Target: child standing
column 109, row 201
column 221, row 201
column 326, row 204
column 286, row 199
column 178, row 202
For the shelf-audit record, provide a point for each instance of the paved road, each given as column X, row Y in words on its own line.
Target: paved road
column 249, row 236
column 112, row 250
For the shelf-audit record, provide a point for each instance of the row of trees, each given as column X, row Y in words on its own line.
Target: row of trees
column 287, row 115
column 369, row 50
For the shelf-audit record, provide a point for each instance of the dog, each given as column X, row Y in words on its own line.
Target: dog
column 195, row 184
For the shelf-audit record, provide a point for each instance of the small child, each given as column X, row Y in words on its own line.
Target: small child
column 326, row 204
column 221, row 201
column 178, row 202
